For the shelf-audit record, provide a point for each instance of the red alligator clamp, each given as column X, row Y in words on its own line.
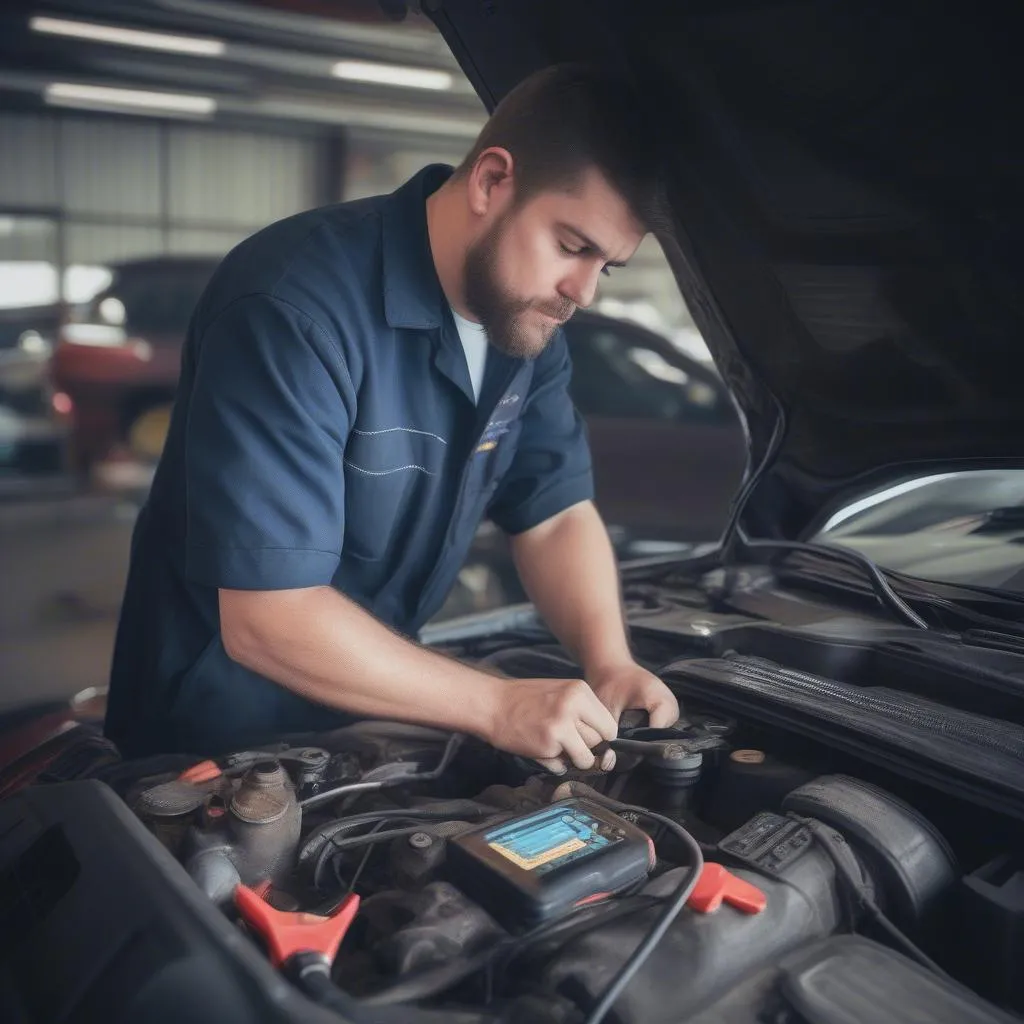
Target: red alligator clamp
column 717, row 886
column 289, row 934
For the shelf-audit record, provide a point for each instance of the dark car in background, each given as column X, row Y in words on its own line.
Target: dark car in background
column 666, row 442
column 667, row 446
column 667, row 449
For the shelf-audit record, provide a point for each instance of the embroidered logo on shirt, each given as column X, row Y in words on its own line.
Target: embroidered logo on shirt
column 494, row 430
column 497, row 428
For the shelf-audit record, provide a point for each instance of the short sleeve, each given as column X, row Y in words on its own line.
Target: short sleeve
column 268, row 415
column 551, row 469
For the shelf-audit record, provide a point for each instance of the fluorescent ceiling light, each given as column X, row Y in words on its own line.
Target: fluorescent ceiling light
column 66, row 94
column 203, row 47
column 393, row 74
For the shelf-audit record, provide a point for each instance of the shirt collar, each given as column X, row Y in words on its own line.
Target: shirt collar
column 413, row 297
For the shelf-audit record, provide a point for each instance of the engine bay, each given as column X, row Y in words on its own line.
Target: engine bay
column 769, row 857
column 386, row 812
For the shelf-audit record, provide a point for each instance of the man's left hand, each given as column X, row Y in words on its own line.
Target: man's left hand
column 624, row 687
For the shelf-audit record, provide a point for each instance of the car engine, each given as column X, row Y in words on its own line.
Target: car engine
column 393, row 872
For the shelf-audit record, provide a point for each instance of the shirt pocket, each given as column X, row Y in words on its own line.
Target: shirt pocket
column 388, row 472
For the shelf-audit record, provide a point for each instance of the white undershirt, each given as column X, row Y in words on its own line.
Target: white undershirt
column 474, row 344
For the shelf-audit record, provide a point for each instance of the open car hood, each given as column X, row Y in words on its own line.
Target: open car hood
column 846, row 182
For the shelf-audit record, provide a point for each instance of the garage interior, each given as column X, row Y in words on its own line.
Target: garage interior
column 169, row 130
column 795, row 792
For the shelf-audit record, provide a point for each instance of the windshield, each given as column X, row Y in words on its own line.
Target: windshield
column 962, row 528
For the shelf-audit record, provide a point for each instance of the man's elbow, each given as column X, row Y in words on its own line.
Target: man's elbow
column 239, row 630
column 253, row 622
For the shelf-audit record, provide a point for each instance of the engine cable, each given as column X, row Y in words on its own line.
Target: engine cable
column 868, row 904
column 364, row 860
column 395, row 779
column 454, row 809
column 881, row 586
column 735, row 536
column 327, row 833
column 433, row 981
column 672, row 909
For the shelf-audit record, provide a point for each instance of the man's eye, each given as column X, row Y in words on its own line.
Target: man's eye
column 567, row 251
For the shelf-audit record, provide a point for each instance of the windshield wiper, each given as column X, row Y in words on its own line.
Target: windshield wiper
column 1010, row 643
column 951, row 599
column 881, row 586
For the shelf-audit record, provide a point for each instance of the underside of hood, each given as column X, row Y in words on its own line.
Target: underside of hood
column 847, row 183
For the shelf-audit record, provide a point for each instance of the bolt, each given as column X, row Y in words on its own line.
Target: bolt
column 747, row 756
column 420, row 840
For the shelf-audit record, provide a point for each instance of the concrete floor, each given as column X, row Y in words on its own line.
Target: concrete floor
column 63, row 562
column 62, row 569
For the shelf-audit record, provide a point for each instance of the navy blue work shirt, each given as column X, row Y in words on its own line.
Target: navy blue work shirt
column 324, row 432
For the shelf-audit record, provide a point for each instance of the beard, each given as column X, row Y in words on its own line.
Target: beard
column 505, row 317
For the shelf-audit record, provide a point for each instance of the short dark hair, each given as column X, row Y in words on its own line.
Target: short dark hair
column 559, row 121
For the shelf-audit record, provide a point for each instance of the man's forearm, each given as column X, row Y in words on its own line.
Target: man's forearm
column 324, row 647
column 568, row 568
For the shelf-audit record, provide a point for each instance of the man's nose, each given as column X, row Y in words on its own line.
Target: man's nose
column 581, row 286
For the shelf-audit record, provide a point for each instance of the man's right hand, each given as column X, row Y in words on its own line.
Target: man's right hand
column 551, row 721
column 323, row 646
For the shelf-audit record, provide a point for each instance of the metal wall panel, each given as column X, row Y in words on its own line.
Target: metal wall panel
column 28, row 161
column 94, row 243
column 378, row 163
column 197, row 242
column 239, row 177
column 28, row 238
column 111, row 167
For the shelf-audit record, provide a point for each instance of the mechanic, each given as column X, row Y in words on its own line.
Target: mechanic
column 360, row 385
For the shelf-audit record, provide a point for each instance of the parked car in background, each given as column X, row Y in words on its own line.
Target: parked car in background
column 667, row 446
column 34, row 423
column 30, row 329
column 667, row 449
column 666, row 441
column 119, row 362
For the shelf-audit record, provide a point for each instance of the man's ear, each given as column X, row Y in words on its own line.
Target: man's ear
column 490, row 179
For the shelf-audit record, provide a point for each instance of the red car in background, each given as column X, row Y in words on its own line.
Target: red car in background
column 666, row 441
column 119, row 363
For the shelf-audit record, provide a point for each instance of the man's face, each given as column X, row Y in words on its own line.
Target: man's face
column 539, row 260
